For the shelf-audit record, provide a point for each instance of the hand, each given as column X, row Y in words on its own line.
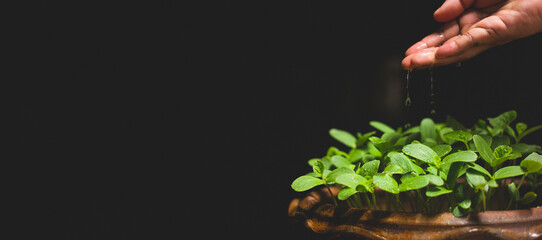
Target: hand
column 472, row 27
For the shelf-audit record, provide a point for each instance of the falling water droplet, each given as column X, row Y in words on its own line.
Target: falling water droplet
column 432, row 96
column 408, row 102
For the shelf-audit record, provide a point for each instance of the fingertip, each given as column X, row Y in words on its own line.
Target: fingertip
column 423, row 59
column 406, row 63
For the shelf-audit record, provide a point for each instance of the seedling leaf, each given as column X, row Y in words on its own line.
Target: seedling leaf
column 506, row 172
column 464, row 156
column 338, row 172
column 513, row 191
column 369, row 169
column 318, row 167
column 500, row 122
column 339, row 161
column 351, row 180
column 345, row 193
column 421, row 152
column 386, row 183
column 381, row 126
column 459, row 135
column 532, row 163
column 401, row 160
column 414, row 183
column 527, row 198
column 475, row 179
column 437, row 191
column 344, row 137
column 442, row 149
column 427, row 130
column 484, row 149
column 305, row 183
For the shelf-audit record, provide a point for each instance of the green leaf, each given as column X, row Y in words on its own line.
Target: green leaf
column 345, row 193
column 332, row 151
column 465, row 204
column 381, row 127
column 436, row 180
column 422, row 153
column 436, row 191
column 427, row 130
column 369, row 169
column 305, row 183
column 442, row 132
column 363, row 138
column 506, row 172
column 475, row 179
column 513, row 191
column 527, row 198
column 459, row 135
column 460, row 192
column 442, row 149
column 393, row 169
column 414, row 183
column 463, row 156
column 386, row 183
column 502, row 151
column 532, row 163
column 460, row 212
column 355, row 155
column 484, row 149
column 344, row 137
column 502, row 121
column 338, row 172
column 351, row 180
column 340, row 161
column 521, row 127
column 525, row 149
column 453, row 173
column 479, row 169
column 318, row 167
column 401, row 160
column 381, row 144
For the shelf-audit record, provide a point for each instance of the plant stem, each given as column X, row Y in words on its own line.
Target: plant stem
column 421, row 200
column 398, row 202
column 367, row 200
column 374, row 201
column 522, row 179
column 483, row 200
column 388, row 203
column 520, row 183
column 332, row 196
column 357, row 201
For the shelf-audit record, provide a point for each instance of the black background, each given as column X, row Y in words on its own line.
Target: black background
column 161, row 119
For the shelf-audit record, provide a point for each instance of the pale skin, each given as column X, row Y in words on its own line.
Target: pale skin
column 471, row 27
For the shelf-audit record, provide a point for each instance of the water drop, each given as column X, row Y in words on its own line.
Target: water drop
column 432, row 96
column 408, row 102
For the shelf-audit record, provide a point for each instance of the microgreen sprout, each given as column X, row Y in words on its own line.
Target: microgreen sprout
column 432, row 167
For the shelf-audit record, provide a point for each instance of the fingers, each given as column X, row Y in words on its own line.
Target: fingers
column 428, row 59
column 451, row 9
column 435, row 39
column 455, row 49
column 477, row 36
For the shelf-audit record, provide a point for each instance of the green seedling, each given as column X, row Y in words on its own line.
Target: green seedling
column 432, row 167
